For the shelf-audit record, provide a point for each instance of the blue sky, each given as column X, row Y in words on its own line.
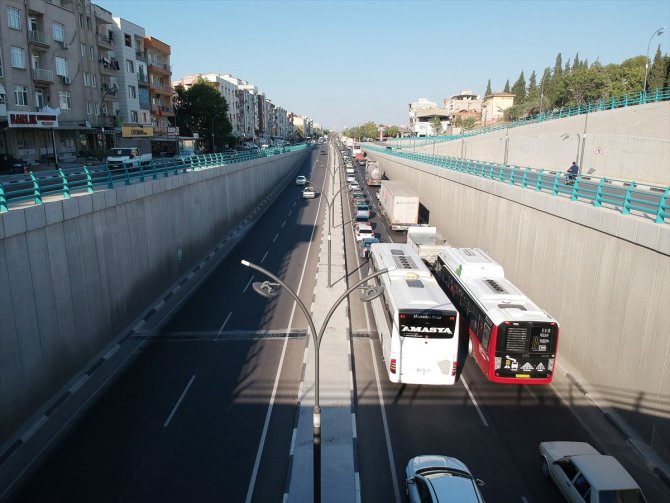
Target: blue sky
column 347, row 62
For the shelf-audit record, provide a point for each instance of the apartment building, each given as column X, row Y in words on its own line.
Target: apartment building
column 51, row 95
column 463, row 104
column 160, row 88
column 133, row 77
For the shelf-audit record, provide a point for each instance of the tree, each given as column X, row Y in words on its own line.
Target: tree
column 558, row 68
column 506, row 86
column 658, row 72
column 488, row 89
column 575, row 62
column 465, row 122
column 202, row 109
column 533, row 90
column 436, row 124
column 392, row 131
column 519, row 89
column 299, row 133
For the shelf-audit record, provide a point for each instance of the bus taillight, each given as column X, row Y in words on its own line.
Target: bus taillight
column 498, row 362
column 550, row 364
column 453, row 368
column 392, row 366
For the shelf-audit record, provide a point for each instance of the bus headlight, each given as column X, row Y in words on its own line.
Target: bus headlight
column 498, row 362
column 550, row 364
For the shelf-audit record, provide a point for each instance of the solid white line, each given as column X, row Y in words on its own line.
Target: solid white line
column 247, row 287
column 276, row 236
column 472, row 397
column 264, row 257
column 167, row 421
column 225, row 322
column 389, row 448
column 283, row 224
column 261, row 444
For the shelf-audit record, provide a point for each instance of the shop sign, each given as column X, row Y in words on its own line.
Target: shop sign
column 31, row 120
column 136, row 131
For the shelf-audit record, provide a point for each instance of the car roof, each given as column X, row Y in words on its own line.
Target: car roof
column 458, row 487
column 363, row 226
column 604, row 472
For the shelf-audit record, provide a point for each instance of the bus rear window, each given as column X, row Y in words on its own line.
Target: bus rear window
column 427, row 324
column 533, row 337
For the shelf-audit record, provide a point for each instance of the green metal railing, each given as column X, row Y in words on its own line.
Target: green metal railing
column 656, row 96
column 35, row 187
column 622, row 195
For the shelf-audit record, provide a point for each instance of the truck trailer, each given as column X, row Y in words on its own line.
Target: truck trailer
column 373, row 174
column 399, row 203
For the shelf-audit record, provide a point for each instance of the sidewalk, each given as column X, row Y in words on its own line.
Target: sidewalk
column 339, row 478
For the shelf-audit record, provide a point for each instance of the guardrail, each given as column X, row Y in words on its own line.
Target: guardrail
column 600, row 105
column 35, row 187
column 622, row 195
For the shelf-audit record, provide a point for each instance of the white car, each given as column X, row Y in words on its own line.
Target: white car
column 351, row 178
column 363, row 230
column 308, row 193
column 441, row 478
column 301, row 180
column 583, row 474
column 354, row 185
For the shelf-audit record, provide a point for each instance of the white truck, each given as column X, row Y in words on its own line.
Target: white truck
column 399, row 203
column 128, row 157
column 373, row 174
column 424, row 241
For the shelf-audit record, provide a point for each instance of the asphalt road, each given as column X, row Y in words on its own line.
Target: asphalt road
column 206, row 411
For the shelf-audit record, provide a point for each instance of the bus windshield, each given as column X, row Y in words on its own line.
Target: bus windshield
column 427, row 324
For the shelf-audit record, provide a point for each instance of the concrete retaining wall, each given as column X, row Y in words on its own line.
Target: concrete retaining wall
column 603, row 275
column 75, row 272
column 630, row 143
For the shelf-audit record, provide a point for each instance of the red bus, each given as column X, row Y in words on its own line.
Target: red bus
column 512, row 340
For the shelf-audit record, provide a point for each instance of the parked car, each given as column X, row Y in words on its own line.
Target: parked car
column 354, row 185
column 363, row 210
column 583, row 474
column 364, row 230
column 364, row 246
column 433, row 478
column 308, row 193
column 351, row 178
column 301, row 180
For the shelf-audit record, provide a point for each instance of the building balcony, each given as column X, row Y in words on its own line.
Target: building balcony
column 142, row 80
column 43, row 76
column 38, row 40
column 104, row 41
column 162, row 111
column 108, row 66
column 163, row 69
column 160, row 89
column 140, row 56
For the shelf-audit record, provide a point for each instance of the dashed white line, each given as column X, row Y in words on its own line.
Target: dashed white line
column 283, row 224
column 225, row 322
column 249, row 283
column 264, row 256
column 167, row 421
column 472, row 397
column 275, row 238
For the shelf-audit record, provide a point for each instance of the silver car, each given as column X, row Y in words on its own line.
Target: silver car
column 441, row 478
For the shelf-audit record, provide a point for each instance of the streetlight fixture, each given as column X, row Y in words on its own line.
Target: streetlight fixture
column 658, row 32
column 269, row 290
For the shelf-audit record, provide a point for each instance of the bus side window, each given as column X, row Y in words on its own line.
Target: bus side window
column 486, row 335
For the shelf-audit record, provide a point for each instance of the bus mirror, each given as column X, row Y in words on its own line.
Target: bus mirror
column 480, row 482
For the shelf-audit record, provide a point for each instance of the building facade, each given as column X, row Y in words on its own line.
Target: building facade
column 494, row 106
column 160, row 84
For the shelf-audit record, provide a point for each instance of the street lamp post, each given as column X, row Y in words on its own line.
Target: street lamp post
column 658, row 32
column 270, row 290
column 330, row 219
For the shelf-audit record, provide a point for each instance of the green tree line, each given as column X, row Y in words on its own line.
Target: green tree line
column 576, row 83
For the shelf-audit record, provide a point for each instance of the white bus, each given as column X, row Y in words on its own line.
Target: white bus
column 416, row 322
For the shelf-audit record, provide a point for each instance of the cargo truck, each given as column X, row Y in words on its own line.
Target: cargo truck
column 399, row 203
column 373, row 174
column 424, row 241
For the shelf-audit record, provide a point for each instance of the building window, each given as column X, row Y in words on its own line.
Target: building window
column 21, row 95
column 81, row 20
column 58, row 32
column 64, row 97
column 14, row 18
column 83, row 50
column 87, row 80
column 89, row 107
column 93, row 82
column 127, row 40
column 2, row 73
column 91, row 55
column 61, row 67
column 132, row 92
column 130, row 66
column 3, row 95
column 39, row 99
column 18, row 57
column 133, row 116
column 88, row 22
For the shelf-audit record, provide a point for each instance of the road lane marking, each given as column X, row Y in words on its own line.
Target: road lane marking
column 247, row 287
column 261, row 444
column 275, row 238
column 225, row 322
column 283, row 224
column 264, row 256
column 167, row 421
column 472, row 397
column 389, row 448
